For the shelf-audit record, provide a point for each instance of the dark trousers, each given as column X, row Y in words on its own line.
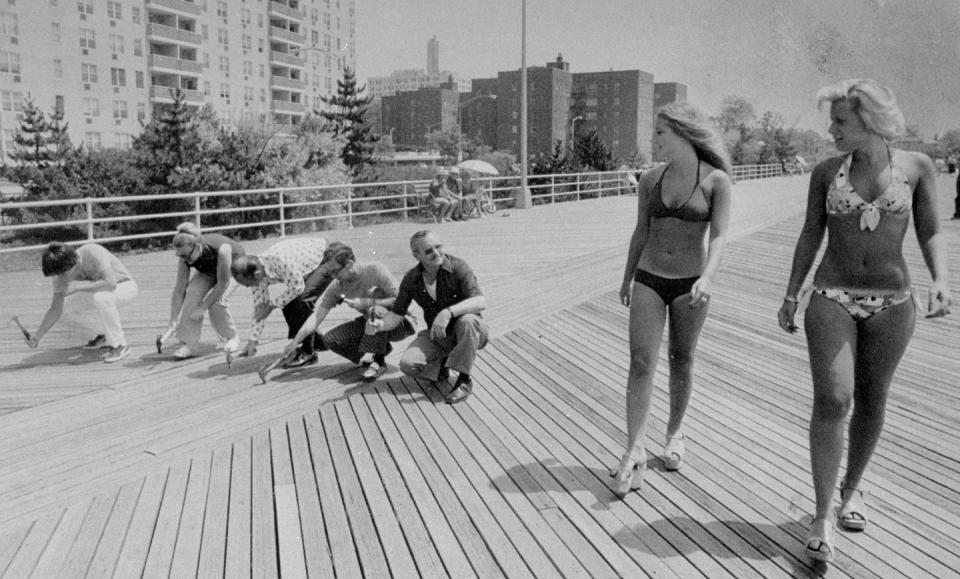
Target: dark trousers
column 956, row 200
column 301, row 307
column 350, row 341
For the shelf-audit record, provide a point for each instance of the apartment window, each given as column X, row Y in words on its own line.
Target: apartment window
column 326, row 42
column 263, row 95
column 135, row 15
column 58, row 104
column 91, row 107
column 245, row 16
column 88, row 38
column 225, row 66
column 259, row 45
column 55, row 31
column 247, row 68
column 206, row 89
column 222, row 11
column 259, row 20
column 114, row 10
column 247, row 96
column 123, row 140
column 314, row 37
column 119, row 109
column 8, row 24
column 326, row 20
column 223, row 38
column 139, row 78
column 84, row 7
column 204, row 31
column 9, row 62
column 91, row 140
column 88, row 72
column 262, row 71
column 11, row 100
column 116, row 44
column 225, row 91
column 246, row 42
column 57, row 68
column 141, row 111
column 138, row 47
column 118, row 77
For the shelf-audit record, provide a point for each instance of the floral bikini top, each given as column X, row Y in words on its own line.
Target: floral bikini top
column 843, row 200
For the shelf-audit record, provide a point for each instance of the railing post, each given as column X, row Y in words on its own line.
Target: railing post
column 196, row 208
column 89, row 220
column 283, row 216
column 350, row 207
column 406, row 202
column 578, row 186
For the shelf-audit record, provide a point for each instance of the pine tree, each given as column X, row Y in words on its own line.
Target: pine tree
column 591, row 151
column 171, row 140
column 31, row 139
column 347, row 117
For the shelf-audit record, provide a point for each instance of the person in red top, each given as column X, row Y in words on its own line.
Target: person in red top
column 447, row 290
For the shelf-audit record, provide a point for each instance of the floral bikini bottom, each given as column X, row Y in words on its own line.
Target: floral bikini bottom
column 861, row 306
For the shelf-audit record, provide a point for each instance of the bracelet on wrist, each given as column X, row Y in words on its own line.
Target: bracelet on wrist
column 791, row 299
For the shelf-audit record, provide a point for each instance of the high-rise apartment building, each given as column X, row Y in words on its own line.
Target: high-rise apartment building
column 665, row 93
column 433, row 56
column 107, row 64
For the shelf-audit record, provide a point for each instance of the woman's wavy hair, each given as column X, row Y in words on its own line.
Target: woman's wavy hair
column 874, row 104
column 689, row 123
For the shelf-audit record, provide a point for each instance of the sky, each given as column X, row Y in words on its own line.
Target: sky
column 774, row 53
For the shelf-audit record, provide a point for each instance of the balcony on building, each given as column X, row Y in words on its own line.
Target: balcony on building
column 280, row 54
column 289, row 102
column 188, row 7
column 174, row 58
column 286, row 8
column 171, row 27
column 287, row 78
column 163, row 89
column 286, row 30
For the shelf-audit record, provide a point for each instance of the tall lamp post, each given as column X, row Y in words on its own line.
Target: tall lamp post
column 460, row 121
column 523, row 200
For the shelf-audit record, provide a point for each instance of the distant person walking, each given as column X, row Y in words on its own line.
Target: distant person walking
column 674, row 254
column 862, row 309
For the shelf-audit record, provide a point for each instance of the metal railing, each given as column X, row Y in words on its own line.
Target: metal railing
column 282, row 210
column 745, row 172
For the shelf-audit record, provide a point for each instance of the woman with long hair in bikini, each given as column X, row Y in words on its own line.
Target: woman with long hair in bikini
column 862, row 308
column 675, row 251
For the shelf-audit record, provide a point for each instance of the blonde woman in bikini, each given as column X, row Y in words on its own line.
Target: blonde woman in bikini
column 675, row 250
column 862, row 308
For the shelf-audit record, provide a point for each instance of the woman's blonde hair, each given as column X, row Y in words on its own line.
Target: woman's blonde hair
column 695, row 128
column 187, row 233
column 874, row 104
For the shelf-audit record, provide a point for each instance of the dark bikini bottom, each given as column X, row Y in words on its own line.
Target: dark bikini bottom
column 667, row 288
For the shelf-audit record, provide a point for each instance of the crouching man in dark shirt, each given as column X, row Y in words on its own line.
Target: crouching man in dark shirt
column 447, row 290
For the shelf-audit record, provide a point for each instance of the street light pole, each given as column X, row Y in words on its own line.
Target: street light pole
column 523, row 201
column 573, row 130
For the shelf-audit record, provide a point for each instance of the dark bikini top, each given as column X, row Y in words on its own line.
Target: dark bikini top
column 695, row 208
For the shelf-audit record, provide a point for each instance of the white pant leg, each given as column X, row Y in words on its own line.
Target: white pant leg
column 220, row 317
column 107, row 303
column 188, row 330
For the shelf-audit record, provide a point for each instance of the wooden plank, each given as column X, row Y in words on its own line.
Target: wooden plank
column 342, row 550
column 108, row 549
column 265, row 561
column 10, row 541
column 213, row 542
column 31, row 548
column 317, row 555
column 238, row 559
column 369, row 549
column 289, row 534
column 81, row 553
column 167, row 525
column 136, row 543
column 186, row 554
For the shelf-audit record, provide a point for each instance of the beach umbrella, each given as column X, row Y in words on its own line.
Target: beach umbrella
column 478, row 166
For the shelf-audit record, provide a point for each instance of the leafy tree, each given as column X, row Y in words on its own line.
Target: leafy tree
column 556, row 162
column 735, row 112
column 590, row 151
column 446, row 142
column 348, row 118
column 950, row 143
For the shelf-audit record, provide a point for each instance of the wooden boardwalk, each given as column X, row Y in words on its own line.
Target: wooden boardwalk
column 159, row 468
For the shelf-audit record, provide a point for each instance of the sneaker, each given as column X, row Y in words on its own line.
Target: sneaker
column 231, row 345
column 117, row 353
column 302, row 360
column 96, row 343
column 373, row 372
column 183, row 352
